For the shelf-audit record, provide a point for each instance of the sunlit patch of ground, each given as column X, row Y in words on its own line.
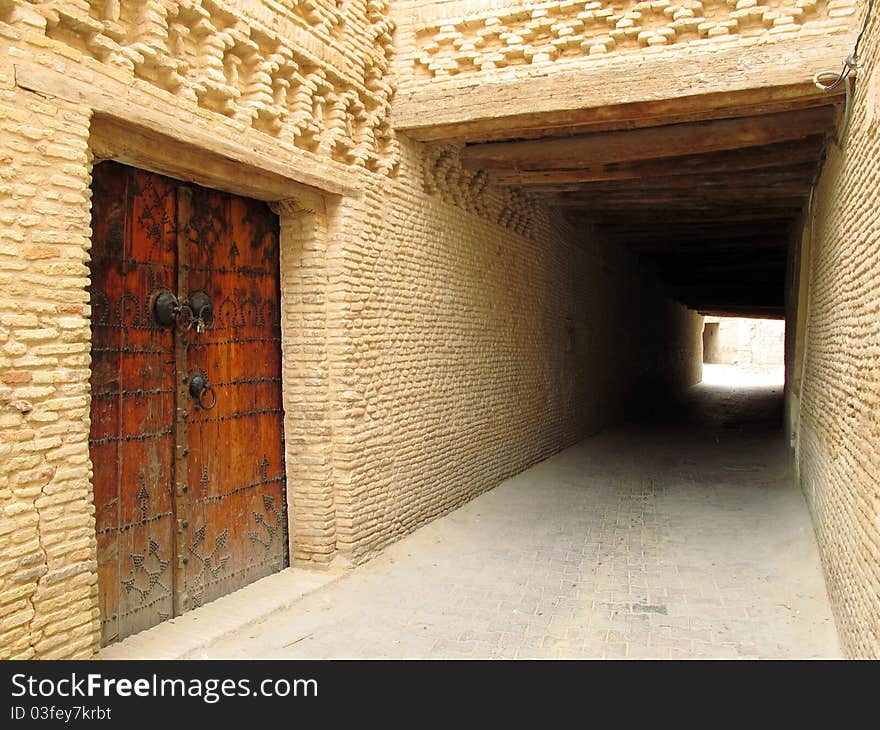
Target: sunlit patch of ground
column 744, row 376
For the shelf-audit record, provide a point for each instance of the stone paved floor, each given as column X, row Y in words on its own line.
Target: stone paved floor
column 679, row 536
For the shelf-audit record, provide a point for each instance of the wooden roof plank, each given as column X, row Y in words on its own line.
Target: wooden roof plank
column 621, row 89
column 652, row 142
column 805, row 151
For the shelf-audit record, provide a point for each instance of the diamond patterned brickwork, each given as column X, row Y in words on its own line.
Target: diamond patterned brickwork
column 470, row 190
column 458, row 42
column 308, row 73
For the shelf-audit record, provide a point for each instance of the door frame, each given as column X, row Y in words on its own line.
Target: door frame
column 306, row 218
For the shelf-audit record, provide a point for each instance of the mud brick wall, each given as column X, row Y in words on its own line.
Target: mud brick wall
column 480, row 336
column 441, row 334
column 459, row 43
column 837, row 435
column 304, row 79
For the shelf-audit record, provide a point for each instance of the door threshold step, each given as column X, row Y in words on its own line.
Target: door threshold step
column 185, row 636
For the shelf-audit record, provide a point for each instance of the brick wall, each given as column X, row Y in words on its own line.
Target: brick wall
column 479, row 336
column 48, row 591
column 459, row 43
column 295, row 80
column 440, row 334
column 834, row 406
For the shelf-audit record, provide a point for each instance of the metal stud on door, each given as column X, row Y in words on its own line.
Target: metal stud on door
column 131, row 442
column 238, row 515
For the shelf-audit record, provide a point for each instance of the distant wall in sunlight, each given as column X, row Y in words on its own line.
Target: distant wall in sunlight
column 740, row 341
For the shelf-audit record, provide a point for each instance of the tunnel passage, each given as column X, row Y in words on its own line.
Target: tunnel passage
column 709, row 206
column 697, row 548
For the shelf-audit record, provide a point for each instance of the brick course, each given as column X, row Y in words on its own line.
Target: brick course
column 468, row 351
column 837, row 439
column 439, row 334
column 459, row 43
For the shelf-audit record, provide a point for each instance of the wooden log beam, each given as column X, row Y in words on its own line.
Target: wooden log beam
column 752, row 312
column 671, row 256
column 731, row 295
column 688, row 209
column 620, row 89
column 651, row 116
column 698, row 230
column 805, row 151
column 685, row 216
column 770, row 309
column 774, row 307
column 723, row 272
column 738, row 288
column 769, row 259
column 760, row 196
column 759, row 301
column 651, row 143
column 663, row 247
column 764, row 178
column 659, row 238
column 750, row 252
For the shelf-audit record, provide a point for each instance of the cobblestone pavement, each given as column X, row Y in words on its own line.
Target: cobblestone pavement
column 679, row 536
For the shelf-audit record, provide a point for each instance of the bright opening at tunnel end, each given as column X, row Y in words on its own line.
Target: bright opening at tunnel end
column 741, row 352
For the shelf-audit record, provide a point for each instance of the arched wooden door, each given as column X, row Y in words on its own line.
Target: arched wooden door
column 186, row 436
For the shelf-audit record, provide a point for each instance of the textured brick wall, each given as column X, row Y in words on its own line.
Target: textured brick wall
column 463, row 42
column 838, row 433
column 473, row 345
column 439, row 334
column 307, row 74
column 297, row 79
column 48, row 590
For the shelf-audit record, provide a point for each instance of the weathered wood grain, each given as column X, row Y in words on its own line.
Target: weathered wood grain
column 620, row 91
column 651, row 143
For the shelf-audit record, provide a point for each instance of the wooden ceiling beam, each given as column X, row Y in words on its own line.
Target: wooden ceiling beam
column 697, row 231
column 673, row 248
column 688, row 208
column 676, row 268
column 658, row 237
column 635, row 116
column 651, row 143
column 769, row 308
column 684, row 216
column 799, row 174
column 723, row 274
column 711, row 258
column 753, row 312
column 805, row 151
column 621, row 89
column 733, row 287
column 761, row 197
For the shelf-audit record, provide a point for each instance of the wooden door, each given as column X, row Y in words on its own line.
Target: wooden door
column 189, row 491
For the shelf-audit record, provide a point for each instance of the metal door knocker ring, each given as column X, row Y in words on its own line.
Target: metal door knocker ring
column 168, row 310
column 212, row 400
column 184, row 317
column 201, row 390
column 202, row 309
